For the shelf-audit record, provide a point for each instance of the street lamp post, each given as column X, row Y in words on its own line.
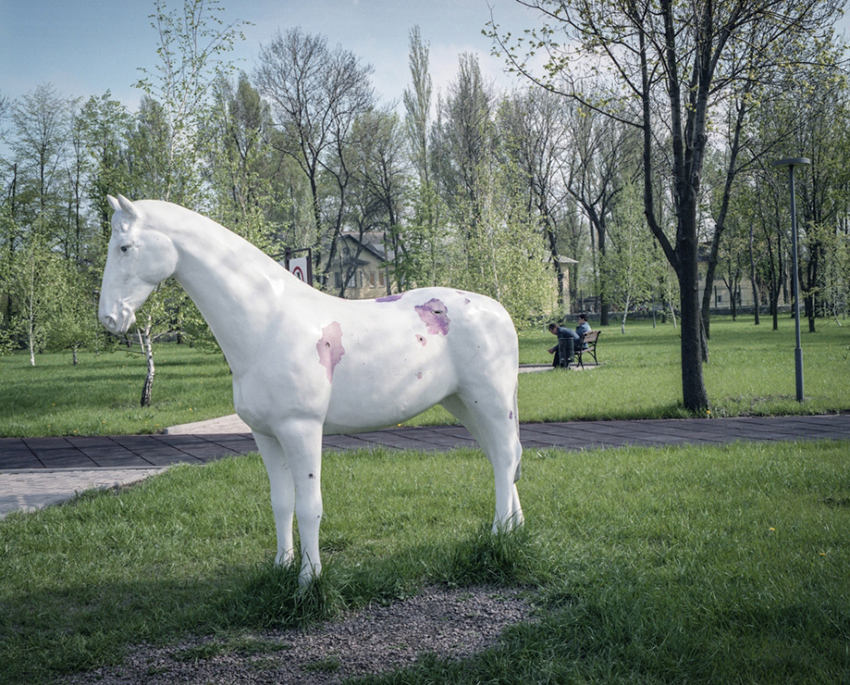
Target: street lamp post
column 791, row 162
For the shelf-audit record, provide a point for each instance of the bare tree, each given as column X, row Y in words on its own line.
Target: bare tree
column 601, row 163
column 380, row 139
column 316, row 94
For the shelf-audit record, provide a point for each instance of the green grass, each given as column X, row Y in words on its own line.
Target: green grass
column 751, row 371
column 100, row 396
column 671, row 565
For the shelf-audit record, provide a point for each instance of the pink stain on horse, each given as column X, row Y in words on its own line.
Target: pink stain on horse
column 330, row 348
column 435, row 315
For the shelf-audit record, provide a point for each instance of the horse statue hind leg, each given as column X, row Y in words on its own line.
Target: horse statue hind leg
column 491, row 418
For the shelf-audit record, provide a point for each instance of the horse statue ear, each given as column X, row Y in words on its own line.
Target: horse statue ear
column 113, row 203
column 126, row 206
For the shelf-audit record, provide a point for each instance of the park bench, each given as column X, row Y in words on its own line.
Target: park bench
column 587, row 346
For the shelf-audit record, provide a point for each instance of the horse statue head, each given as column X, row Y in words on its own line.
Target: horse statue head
column 139, row 257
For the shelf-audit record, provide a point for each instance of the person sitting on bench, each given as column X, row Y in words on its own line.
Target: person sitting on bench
column 583, row 327
column 564, row 350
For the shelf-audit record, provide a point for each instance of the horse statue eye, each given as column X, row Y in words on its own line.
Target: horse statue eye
column 124, row 248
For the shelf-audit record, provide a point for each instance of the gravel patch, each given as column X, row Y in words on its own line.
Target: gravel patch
column 452, row 624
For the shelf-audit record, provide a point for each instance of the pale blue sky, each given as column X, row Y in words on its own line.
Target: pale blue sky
column 84, row 47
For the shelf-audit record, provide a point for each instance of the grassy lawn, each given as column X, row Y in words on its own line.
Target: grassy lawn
column 671, row 565
column 751, row 371
column 100, row 396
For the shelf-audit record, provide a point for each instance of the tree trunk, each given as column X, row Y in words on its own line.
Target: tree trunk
column 604, row 307
column 31, row 312
column 810, row 311
column 732, row 287
column 754, row 280
column 694, row 394
column 625, row 314
column 774, row 307
column 147, row 350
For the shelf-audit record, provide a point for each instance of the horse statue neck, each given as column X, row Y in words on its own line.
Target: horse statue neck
column 238, row 289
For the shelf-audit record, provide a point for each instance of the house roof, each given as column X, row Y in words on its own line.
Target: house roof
column 370, row 241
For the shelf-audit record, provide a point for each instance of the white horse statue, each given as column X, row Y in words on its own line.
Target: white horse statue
column 306, row 363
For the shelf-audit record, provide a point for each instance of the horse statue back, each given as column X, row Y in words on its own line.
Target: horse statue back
column 306, row 363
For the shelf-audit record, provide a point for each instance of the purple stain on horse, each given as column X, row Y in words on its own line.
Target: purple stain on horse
column 422, row 340
column 435, row 316
column 390, row 298
column 330, row 348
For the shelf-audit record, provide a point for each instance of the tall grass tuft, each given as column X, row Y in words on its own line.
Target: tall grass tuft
column 272, row 598
column 486, row 558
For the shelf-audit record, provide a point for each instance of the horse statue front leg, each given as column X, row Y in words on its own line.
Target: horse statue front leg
column 293, row 460
column 282, row 495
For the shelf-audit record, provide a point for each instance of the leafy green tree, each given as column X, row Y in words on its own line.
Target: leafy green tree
column 502, row 253
column 465, row 162
column 105, row 127
column 40, row 121
column 193, row 44
column 630, row 266
column 666, row 68
column 33, row 279
column 732, row 260
column 534, row 138
column 823, row 137
column 417, row 244
column 73, row 323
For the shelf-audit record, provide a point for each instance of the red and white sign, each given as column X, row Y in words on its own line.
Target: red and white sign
column 298, row 268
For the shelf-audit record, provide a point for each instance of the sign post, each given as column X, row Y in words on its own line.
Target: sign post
column 302, row 266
